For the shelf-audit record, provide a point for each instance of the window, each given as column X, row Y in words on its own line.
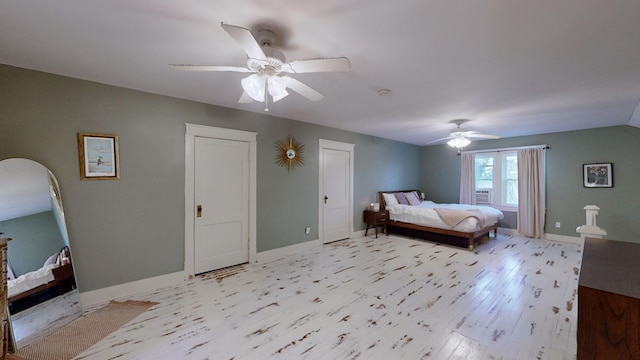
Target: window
column 498, row 172
column 484, row 172
column 510, row 179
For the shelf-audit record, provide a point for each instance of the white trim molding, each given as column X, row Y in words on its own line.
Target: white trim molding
column 547, row 236
column 507, row 231
column 564, row 238
column 274, row 254
column 100, row 296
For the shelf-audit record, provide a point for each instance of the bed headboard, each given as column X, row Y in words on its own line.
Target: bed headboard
column 65, row 255
column 381, row 198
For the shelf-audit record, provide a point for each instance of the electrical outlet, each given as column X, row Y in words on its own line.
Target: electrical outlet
column 558, row 224
column 307, row 230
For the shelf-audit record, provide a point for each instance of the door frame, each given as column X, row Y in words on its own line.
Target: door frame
column 335, row 145
column 193, row 131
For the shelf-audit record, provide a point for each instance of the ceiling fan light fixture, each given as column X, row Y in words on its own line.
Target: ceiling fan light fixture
column 277, row 87
column 281, row 96
column 459, row 142
column 254, row 86
column 266, row 64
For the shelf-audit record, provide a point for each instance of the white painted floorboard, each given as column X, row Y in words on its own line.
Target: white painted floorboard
column 33, row 324
column 385, row 298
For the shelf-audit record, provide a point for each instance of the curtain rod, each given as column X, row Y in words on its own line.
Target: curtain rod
column 544, row 146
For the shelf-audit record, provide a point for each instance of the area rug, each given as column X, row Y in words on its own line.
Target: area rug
column 79, row 335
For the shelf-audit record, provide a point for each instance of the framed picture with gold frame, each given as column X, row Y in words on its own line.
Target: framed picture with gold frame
column 99, row 156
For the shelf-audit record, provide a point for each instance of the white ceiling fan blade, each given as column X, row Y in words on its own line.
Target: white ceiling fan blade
column 303, row 89
column 318, row 65
column 438, row 140
column 246, row 40
column 245, row 98
column 483, row 136
column 189, row 67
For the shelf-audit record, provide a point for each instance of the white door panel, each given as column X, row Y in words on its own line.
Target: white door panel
column 337, row 224
column 336, row 182
column 222, row 203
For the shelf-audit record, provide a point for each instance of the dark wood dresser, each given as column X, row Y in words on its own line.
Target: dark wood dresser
column 4, row 329
column 609, row 300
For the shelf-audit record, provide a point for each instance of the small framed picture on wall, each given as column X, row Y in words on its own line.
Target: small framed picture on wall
column 598, row 175
column 99, row 156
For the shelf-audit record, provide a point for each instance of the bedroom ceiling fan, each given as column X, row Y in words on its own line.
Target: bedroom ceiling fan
column 459, row 137
column 267, row 66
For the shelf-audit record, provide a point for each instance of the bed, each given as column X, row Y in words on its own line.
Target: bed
column 453, row 224
column 57, row 272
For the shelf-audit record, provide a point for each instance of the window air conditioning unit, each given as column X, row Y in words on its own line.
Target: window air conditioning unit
column 483, row 196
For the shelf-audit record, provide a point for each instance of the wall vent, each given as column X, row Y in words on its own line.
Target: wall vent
column 483, row 196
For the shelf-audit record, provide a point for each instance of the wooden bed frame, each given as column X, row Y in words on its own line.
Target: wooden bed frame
column 447, row 236
column 63, row 278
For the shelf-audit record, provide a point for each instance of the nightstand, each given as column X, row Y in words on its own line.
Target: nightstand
column 375, row 219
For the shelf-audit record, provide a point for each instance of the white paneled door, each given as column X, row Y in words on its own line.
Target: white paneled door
column 336, row 193
column 221, row 203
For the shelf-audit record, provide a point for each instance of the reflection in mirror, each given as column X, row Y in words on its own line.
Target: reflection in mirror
column 42, row 293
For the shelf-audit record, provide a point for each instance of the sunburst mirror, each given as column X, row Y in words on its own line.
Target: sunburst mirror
column 289, row 153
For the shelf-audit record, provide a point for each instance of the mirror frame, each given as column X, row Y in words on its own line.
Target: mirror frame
column 56, row 206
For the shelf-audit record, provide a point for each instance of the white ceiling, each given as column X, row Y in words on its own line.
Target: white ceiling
column 24, row 188
column 513, row 68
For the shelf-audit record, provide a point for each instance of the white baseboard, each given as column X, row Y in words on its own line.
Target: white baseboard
column 270, row 255
column 564, row 238
column 507, row 231
column 100, row 296
column 552, row 237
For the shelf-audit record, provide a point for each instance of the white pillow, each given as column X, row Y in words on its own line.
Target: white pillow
column 53, row 259
column 412, row 197
column 390, row 199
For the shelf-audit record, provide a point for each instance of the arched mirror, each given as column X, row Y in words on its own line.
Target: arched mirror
column 42, row 293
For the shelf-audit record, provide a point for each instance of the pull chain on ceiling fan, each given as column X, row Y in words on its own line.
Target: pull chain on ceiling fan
column 267, row 66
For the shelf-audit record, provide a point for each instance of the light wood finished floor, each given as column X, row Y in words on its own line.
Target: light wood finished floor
column 385, row 298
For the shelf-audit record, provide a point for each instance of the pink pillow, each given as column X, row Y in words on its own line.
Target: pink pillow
column 402, row 199
column 412, row 198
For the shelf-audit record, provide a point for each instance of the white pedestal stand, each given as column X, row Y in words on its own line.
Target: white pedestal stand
column 591, row 229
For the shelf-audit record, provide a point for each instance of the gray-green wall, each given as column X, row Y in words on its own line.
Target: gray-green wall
column 133, row 228
column 34, row 239
column 566, row 195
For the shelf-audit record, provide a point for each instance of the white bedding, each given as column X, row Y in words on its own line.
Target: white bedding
column 31, row 280
column 426, row 215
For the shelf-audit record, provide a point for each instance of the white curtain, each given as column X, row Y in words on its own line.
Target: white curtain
column 531, row 192
column 467, row 179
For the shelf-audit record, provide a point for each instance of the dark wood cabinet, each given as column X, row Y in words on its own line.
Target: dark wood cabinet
column 609, row 300
column 5, row 330
column 376, row 219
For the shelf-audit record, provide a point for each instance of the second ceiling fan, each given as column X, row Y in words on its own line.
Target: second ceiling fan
column 269, row 66
column 459, row 137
